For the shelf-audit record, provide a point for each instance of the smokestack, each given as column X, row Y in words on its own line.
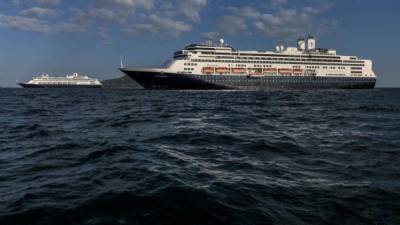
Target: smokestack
column 310, row 43
column 301, row 44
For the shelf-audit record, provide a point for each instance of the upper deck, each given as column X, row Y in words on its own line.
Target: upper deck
column 300, row 52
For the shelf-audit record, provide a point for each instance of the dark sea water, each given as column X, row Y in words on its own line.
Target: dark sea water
column 198, row 157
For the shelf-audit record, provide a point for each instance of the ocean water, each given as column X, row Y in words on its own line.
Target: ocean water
column 199, row 157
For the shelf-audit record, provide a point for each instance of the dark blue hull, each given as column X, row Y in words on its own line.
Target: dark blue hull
column 156, row 80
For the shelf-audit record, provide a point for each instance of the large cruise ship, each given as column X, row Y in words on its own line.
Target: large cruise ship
column 209, row 66
column 70, row 81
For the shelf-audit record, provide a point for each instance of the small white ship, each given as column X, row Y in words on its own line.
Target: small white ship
column 70, row 81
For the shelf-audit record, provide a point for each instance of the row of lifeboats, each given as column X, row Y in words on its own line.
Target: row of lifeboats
column 254, row 71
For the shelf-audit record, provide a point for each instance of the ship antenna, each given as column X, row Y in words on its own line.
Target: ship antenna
column 122, row 64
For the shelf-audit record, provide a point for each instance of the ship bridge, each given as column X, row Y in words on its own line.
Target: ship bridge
column 202, row 49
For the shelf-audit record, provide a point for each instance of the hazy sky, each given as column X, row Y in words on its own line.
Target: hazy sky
column 88, row 36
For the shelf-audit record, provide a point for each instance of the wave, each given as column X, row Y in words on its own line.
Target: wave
column 199, row 157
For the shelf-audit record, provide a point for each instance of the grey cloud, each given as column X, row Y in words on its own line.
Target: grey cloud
column 38, row 25
column 170, row 17
column 232, row 25
column 49, row 2
column 24, row 23
column 155, row 24
column 109, row 15
column 135, row 17
column 192, row 8
column 106, row 11
column 211, row 35
column 282, row 23
column 278, row 2
column 39, row 12
column 145, row 4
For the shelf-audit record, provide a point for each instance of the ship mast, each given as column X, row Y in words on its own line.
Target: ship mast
column 121, row 63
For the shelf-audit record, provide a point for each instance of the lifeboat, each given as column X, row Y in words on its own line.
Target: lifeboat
column 298, row 71
column 255, row 71
column 208, row 70
column 239, row 70
column 222, row 70
column 286, row 71
column 270, row 70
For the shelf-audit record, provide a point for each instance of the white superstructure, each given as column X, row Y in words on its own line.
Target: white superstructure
column 303, row 60
column 69, row 80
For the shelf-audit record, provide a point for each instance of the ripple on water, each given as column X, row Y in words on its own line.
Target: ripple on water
column 199, row 157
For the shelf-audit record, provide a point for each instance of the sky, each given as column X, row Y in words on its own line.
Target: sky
column 60, row 37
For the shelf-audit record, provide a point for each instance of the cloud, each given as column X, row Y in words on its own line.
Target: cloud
column 148, row 17
column 192, row 8
column 282, row 22
column 24, row 23
column 155, row 24
column 39, row 12
column 113, row 4
column 232, row 25
column 132, row 17
column 278, row 2
column 279, row 19
column 38, row 25
column 108, row 15
column 211, row 35
column 49, row 2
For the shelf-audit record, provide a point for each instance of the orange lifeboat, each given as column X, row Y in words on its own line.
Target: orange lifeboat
column 270, row 70
column 239, row 70
column 286, row 71
column 222, row 70
column 208, row 70
column 256, row 71
column 298, row 71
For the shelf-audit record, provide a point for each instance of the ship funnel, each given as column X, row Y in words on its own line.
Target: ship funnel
column 301, row 44
column 221, row 42
column 310, row 43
